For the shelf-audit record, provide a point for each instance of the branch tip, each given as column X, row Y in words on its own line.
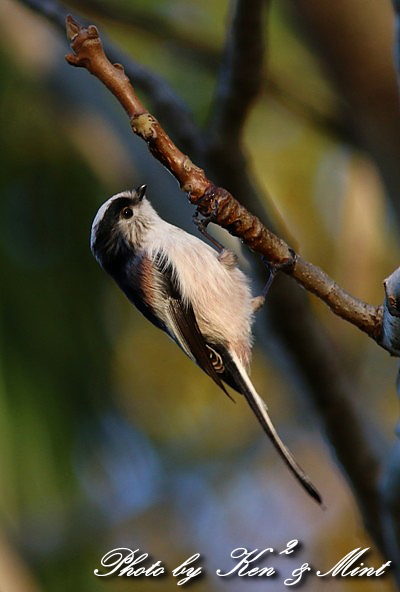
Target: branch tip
column 72, row 27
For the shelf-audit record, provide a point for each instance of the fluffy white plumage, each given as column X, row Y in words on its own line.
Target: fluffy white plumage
column 189, row 290
column 218, row 290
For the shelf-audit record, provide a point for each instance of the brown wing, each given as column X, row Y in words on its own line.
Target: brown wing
column 182, row 324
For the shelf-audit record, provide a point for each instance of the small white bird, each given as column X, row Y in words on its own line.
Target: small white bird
column 196, row 295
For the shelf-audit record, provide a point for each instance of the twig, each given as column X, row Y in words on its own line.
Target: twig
column 165, row 102
column 211, row 200
column 202, row 52
column 391, row 313
column 163, row 99
column 157, row 24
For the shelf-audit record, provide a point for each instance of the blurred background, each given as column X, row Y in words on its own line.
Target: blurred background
column 109, row 436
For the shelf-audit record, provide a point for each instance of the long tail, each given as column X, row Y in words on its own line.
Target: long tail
column 260, row 410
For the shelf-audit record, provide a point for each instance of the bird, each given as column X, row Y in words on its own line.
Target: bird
column 191, row 291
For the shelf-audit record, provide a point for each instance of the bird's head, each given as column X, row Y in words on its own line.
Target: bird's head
column 119, row 225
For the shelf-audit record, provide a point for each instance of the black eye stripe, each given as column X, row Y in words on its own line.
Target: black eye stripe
column 110, row 218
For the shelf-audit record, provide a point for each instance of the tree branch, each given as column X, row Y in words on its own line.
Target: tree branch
column 391, row 312
column 210, row 200
column 328, row 388
column 200, row 51
column 342, row 436
column 332, row 393
column 390, row 483
column 317, row 363
column 241, row 72
column 165, row 102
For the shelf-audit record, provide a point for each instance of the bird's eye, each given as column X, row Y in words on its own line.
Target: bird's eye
column 127, row 213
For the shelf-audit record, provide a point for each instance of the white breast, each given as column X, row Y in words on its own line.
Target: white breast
column 221, row 297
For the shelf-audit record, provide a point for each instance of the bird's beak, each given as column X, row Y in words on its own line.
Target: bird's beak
column 140, row 192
